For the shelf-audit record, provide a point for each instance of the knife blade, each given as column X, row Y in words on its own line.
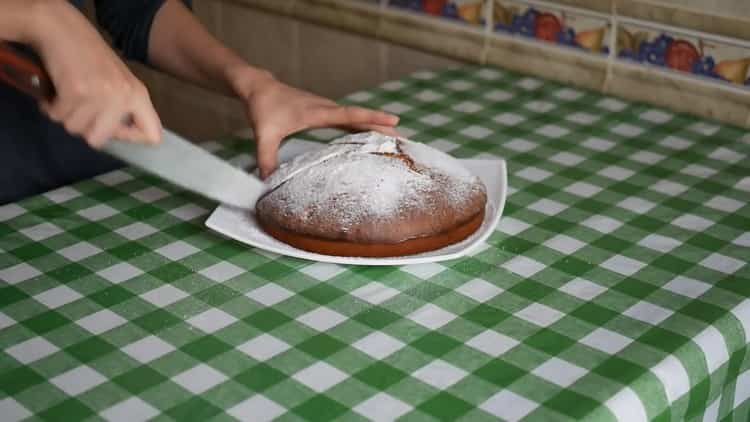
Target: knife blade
column 175, row 159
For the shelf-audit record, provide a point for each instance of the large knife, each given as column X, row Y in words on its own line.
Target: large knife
column 174, row 159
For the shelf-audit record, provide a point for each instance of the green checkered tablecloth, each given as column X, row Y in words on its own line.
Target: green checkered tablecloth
column 615, row 289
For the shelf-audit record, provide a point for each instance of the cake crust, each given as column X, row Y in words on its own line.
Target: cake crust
column 372, row 195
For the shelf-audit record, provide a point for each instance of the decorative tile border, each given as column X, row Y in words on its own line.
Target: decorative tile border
column 576, row 41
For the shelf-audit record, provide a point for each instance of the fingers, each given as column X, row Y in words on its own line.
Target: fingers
column 350, row 116
column 385, row 130
column 267, row 154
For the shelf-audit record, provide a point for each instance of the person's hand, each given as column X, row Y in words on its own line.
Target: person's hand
column 98, row 98
column 276, row 110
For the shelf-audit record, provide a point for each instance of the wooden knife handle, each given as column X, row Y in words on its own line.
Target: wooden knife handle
column 23, row 73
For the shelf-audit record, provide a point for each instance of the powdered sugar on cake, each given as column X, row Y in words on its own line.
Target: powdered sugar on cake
column 368, row 176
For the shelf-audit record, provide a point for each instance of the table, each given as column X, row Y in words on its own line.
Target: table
column 616, row 287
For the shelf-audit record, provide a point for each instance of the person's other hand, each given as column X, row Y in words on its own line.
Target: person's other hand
column 276, row 110
column 98, row 98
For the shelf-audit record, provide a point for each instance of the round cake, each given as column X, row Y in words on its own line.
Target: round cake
column 372, row 195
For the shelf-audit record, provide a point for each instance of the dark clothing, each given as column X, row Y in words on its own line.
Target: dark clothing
column 37, row 154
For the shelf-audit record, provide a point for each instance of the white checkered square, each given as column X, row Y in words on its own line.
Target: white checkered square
column 222, row 271
column 520, row 145
column 606, row 341
column 647, row 157
column 382, row 407
column 616, row 173
column 568, row 94
column 150, row 194
column 439, row 374
column 98, row 212
column 199, row 378
column 101, row 321
column 164, row 295
column 552, row 131
column 321, row 318
column 77, row 380
column 18, row 273
column 659, row 243
column 704, row 128
column 623, row 265
column 136, row 231
column 435, row 119
column 211, row 320
column 539, row 106
column 378, row 345
column 120, row 272
column 512, row 226
column 564, row 244
column 257, row 408
column 675, row 142
column 396, row 107
column 113, row 178
column 375, row 292
column 479, row 290
column 31, row 350
column 648, row 312
column 602, row 223
column 10, row 211
column 57, row 296
column 582, row 118
column 692, row 222
column 12, row 410
column 582, row 289
column 722, row 203
column 132, row 409
column 627, row 130
column 492, row 343
column 177, row 250
column 529, row 84
column 698, row 170
column 269, row 294
column 62, row 194
column 188, row 212
column 263, row 347
column 147, row 349
column 423, row 271
column 508, row 406
column 467, row 107
column 476, row 132
column 636, row 205
column 79, row 251
column 687, row 286
column 460, row 85
column 428, row 96
column 523, row 266
column 431, row 316
column 323, row 271
column 548, row 206
column 560, row 372
column 598, row 144
column 533, row 174
column 722, row 263
column 320, row 376
column 668, row 188
column 656, row 116
column 41, row 231
column 727, row 155
column 583, row 189
column 611, row 104
column 509, row 119
column 539, row 314
column 498, row 95
column 566, row 159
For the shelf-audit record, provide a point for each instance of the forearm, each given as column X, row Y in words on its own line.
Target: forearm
column 24, row 21
column 180, row 45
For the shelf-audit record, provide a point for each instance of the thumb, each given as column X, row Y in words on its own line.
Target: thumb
column 267, row 149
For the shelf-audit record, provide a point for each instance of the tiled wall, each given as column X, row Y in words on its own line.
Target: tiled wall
column 334, row 47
